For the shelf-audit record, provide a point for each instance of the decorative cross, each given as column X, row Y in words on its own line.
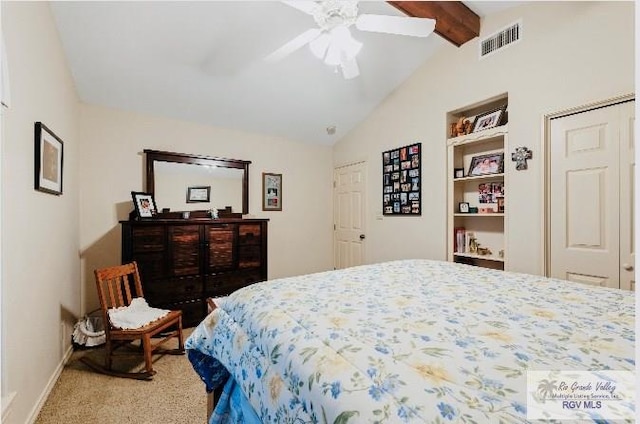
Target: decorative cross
column 520, row 157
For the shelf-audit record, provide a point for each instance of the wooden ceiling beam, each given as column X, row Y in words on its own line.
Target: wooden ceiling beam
column 455, row 22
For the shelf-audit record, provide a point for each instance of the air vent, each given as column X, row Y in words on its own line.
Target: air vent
column 501, row 39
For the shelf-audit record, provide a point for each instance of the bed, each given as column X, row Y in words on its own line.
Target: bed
column 404, row 341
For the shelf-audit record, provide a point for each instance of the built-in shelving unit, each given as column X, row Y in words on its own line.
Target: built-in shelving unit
column 478, row 187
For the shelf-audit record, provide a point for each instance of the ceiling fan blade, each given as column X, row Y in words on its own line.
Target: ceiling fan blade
column 293, row 45
column 306, row 6
column 350, row 68
column 401, row 25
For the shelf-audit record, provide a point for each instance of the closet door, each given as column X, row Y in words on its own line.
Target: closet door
column 627, row 187
column 590, row 196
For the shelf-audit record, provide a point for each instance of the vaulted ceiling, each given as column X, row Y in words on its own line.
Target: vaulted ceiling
column 202, row 61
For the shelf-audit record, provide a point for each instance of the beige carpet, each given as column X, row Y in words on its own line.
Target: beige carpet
column 175, row 395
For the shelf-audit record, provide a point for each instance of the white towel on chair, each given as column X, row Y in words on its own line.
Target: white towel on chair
column 136, row 315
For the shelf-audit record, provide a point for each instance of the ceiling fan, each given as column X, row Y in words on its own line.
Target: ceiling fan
column 332, row 41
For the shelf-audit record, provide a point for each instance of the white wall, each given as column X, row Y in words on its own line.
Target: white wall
column 300, row 237
column 571, row 53
column 40, row 264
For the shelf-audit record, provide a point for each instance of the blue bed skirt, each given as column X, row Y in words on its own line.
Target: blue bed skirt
column 233, row 406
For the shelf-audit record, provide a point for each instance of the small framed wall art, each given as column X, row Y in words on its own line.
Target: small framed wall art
column 144, row 204
column 271, row 192
column 200, row 194
column 401, row 181
column 48, row 160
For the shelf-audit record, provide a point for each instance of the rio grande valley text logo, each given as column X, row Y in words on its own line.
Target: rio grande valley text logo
column 595, row 395
column 577, row 395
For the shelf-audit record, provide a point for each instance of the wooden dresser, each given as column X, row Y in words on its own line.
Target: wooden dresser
column 182, row 262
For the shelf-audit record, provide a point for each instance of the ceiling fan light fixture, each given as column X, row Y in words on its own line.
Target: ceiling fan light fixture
column 336, row 46
column 341, row 36
column 320, row 45
column 333, row 55
column 332, row 42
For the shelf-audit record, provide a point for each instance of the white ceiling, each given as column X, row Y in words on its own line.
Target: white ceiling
column 202, row 62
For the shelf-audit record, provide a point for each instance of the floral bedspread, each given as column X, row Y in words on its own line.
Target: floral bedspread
column 408, row 341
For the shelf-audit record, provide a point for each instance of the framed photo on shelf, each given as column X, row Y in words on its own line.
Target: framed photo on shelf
column 48, row 160
column 492, row 163
column 490, row 192
column 271, row 192
column 458, row 173
column 199, row 194
column 144, row 204
column 401, row 181
column 463, row 207
column 501, row 204
column 487, row 120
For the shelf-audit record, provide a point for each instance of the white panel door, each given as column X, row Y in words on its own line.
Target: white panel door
column 627, row 187
column 349, row 215
column 590, row 196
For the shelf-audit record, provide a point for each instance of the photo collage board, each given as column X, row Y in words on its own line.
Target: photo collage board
column 401, row 181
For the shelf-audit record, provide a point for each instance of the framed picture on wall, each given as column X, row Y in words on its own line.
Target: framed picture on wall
column 48, row 160
column 271, row 192
column 401, row 181
column 199, row 194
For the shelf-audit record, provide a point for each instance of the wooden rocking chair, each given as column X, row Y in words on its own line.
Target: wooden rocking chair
column 117, row 286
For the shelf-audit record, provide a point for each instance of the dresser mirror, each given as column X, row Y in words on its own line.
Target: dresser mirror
column 183, row 182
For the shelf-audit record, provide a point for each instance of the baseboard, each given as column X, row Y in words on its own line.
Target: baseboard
column 7, row 402
column 52, row 382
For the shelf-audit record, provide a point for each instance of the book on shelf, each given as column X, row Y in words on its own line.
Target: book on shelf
column 459, row 240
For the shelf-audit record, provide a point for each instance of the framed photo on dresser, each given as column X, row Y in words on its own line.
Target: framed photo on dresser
column 144, row 204
column 401, row 181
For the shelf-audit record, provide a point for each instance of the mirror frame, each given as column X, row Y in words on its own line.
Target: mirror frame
column 153, row 156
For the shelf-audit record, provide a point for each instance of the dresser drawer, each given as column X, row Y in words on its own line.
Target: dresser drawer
column 148, row 239
column 225, row 283
column 249, row 256
column 249, row 234
column 150, row 265
column 193, row 311
column 174, row 289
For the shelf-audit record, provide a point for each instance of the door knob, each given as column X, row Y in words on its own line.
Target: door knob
column 627, row 267
column 362, row 237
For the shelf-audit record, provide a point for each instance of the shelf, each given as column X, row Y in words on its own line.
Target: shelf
column 489, row 229
column 479, row 136
column 483, row 257
column 480, row 177
column 500, row 214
